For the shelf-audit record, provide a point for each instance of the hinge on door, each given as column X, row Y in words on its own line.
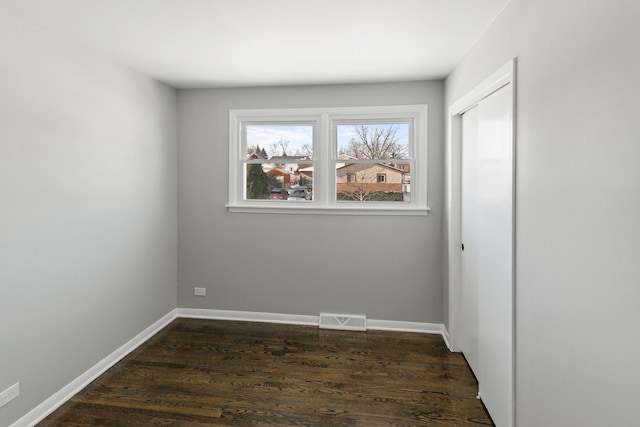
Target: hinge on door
column 463, row 246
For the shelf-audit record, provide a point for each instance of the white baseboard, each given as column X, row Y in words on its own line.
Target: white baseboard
column 249, row 316
column 399, row 326
column 445, row 337
column 297, row 319
column 41, row 411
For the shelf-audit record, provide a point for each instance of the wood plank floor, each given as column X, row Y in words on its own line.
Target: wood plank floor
column 224, row 373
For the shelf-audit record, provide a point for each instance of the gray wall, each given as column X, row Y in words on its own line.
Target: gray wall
column 578, row 198
column 88, row 210
column 385, row 267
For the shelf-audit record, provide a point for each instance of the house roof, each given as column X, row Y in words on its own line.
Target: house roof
column 285, row 159
column 276, row 171
column 379, row 164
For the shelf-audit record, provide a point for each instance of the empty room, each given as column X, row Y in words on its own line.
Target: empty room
column 319, row 213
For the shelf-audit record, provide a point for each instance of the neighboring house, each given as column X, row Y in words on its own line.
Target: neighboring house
column 282, row 177
column 358, row 178
column 306, row 175
column 287, row 170
column 369, row 178
column 406, row 186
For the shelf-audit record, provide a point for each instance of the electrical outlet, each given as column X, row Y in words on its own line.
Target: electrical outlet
column 201, row 292
column 9, row 394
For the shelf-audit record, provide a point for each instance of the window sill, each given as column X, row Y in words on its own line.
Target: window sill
column 330, row 210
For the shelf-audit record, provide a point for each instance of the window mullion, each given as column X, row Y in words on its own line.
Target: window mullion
column 324, row 161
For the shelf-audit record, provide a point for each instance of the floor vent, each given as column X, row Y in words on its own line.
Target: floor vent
column 347, row 322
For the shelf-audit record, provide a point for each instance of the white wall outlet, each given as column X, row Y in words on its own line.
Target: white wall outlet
column 9, row 394
column 201, row 292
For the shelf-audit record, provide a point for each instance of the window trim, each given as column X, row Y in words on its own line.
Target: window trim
column 325, row 153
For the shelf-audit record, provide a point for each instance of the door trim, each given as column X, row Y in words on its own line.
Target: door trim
column 502, row 77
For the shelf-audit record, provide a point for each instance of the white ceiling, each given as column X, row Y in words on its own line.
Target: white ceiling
column 222, row 43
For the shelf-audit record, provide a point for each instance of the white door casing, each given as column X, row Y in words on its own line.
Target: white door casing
column 481, row 215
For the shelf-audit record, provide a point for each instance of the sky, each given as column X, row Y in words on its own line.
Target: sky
column 268, row 134
column 346, row 132
column 301, row 136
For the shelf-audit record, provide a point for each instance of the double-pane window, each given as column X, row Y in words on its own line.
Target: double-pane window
column 344, row 160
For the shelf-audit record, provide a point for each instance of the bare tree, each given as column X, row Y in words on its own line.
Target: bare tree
column 279, row 148
column 373, row 142
column 305, row 150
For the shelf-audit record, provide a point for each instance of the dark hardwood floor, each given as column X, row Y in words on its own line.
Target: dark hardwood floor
column 223, row 373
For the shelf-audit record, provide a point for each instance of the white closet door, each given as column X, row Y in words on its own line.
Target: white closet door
column 469, row 284
column 487, row 259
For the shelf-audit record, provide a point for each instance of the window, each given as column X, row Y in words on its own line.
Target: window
column 329, row 160
column 278, row 158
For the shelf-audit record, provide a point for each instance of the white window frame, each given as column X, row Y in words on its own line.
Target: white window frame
column 325, row 157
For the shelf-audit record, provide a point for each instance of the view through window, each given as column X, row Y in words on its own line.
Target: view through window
column 279, row 164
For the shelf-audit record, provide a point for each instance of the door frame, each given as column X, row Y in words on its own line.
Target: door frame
column 504, row 76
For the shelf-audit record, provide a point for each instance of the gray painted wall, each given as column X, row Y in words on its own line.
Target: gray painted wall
column 385, row 267
column 88, row 210
column 578, row 198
